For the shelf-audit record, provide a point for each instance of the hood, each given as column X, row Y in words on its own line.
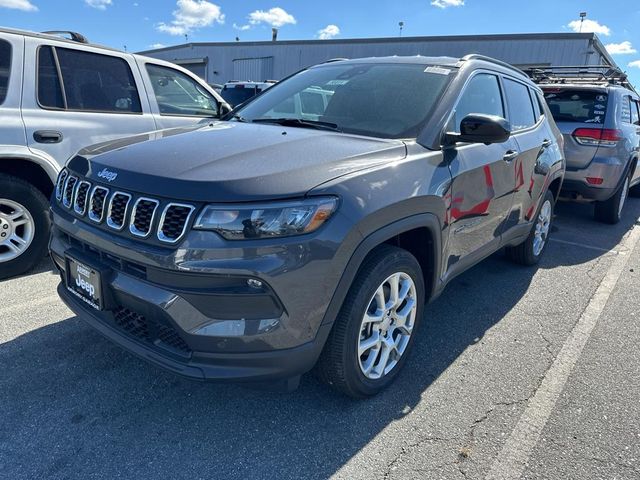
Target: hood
column 231, row 162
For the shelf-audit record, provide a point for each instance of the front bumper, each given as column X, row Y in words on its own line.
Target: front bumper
column 191, row 310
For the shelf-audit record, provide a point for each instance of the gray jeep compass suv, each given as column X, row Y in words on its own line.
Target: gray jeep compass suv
column 257, row 248
column 598, row 112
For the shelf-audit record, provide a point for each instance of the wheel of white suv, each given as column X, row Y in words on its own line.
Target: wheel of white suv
column 24, row 226
column 375, row 329
column 610, row 211
column 530, row 251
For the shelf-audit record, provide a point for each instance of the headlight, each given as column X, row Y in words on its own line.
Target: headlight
column 276, row 219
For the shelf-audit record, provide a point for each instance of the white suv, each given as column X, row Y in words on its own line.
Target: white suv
column 58, row 95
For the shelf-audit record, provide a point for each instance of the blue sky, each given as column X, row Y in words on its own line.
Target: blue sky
column 141, row 24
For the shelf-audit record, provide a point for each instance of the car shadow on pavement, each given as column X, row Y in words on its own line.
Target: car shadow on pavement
column 582, row 237
column 74, row 405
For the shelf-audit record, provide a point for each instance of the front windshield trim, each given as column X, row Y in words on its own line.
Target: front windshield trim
column 411, row 129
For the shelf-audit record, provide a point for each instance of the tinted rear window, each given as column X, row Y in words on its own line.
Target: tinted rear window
column 5, row 66
column 580, row 106
column 238, row 94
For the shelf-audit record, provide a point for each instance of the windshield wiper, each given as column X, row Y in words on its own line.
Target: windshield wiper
column 240, row 118
column 298, row 122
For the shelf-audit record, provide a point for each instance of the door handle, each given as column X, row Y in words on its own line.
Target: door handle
column 47, row 136
column 546, row 143
column 510, row 155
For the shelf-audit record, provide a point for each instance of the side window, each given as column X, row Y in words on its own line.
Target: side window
column 635, row 115
column 536, row 104
column 625, row 111
column 521, row 113
column 179, row 94
column 482, row 95
column 5, row 68
column 90, row 82
column 49, row 89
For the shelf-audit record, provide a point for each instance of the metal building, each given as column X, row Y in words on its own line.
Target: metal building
column 219, row 62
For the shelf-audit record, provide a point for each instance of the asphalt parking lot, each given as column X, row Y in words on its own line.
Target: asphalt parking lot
column 518, row 373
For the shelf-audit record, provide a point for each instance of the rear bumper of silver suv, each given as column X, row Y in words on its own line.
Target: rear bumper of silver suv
column 610, row 169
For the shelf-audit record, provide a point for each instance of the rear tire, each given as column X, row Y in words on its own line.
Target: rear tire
column 610, row 211
column 24, row 226
column 348, row 364
column 530, row 251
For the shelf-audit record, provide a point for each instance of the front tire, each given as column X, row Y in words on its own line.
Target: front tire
column 610, row 211
column 375, row 329
column 24, row 226
column 530, row 251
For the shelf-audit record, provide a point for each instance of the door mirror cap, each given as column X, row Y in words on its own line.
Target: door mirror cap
column 480, row 128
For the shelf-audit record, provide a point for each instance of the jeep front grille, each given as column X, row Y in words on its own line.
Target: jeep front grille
column 174, row 222
column 117, row 212
column 69, row 187
column 80, row 202
column 112, row 209
column 97, row 203
column 144, row 211
column 60, row 184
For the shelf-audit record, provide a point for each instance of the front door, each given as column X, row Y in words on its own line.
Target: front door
column 483, row 179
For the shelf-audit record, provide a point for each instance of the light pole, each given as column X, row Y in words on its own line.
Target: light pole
column 582, row 17
column 401, row 25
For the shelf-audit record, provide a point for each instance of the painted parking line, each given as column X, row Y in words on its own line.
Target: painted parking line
column 512, row 459
column 589, row 247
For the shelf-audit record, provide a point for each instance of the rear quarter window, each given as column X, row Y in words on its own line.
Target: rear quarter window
column 579, row 106
column 5, row 69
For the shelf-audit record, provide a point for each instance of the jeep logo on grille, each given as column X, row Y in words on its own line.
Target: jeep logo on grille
column 107, row 175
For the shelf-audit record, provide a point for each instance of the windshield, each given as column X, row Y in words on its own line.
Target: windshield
column 379, row 100
column 579, row 105
column 238, row 94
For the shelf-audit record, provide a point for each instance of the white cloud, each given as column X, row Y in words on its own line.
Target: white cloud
column 99, row 4
column 591, row 26
column 447, row 3
column 635, row 64
column 328, row 32
column 192, row 14
column 276, row 17
column 157, row 45
column 24, row 5
column 624, row 48
column 242, row 28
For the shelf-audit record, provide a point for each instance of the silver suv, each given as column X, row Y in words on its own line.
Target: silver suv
column 598, row 112
column 58, row 95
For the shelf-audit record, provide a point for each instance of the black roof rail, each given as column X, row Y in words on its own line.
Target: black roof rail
column 477, row 56
column 580, row 74
column 75, row 36
column 331, row 60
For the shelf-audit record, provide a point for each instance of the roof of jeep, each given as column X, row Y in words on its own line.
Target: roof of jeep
column 450, row 62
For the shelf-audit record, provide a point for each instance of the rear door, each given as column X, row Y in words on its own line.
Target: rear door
column 483, row 177
column 581, row 114
column 74, row 97
column 533, row 138
column 11, row 127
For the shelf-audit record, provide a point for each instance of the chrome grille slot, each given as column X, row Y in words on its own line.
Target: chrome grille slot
column 60, row 184
column 117, row 213
column 97, row 202
column 142, row 216
column 82, row 195
column 69, row 187
column 174, row 221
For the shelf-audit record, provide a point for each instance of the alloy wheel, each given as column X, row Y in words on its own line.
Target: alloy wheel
column 17, row 229
column 542, row 228
column 387, row 325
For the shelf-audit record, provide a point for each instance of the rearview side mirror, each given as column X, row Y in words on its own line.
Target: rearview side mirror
column 480, row 128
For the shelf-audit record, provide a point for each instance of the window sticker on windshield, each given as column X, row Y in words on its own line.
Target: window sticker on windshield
column 596, row 119
column 337, row 82
column 601, row 98
column 600, row 107
column 598, row 112
column 438, row 70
